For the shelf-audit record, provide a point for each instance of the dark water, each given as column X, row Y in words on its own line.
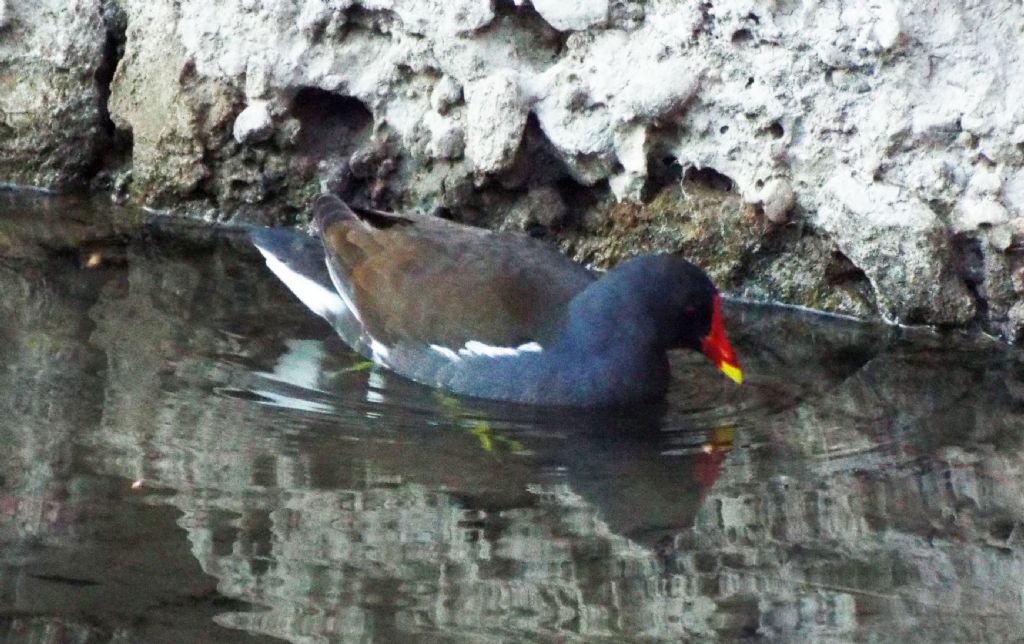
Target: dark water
column 187, row 455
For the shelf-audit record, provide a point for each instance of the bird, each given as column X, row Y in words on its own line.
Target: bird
column 498, row 315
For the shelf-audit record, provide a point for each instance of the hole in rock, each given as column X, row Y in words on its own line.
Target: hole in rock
column 970, row 264
column 841, row 272
column 537, row 160
column 117, row 148
column 741, row 36
column 842, row 269
column 536, row 230
column 537, row 37
column 723, row 129
column 1002, row 529
column 329, row 124
column 574, row 192
column 663, row 172
column 776, row 130
column 709, row 178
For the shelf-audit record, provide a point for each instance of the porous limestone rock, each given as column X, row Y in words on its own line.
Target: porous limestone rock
column 53, row 127
column 254, row 124
column 543, row 207
column 1013, row 191
column 1015, row 323
column 445, row 94
column 902, row 247
column 433, row 18
column 777, row 198
column 495, row 118
column 572, row 15
column 918, row 103
column 174, row 124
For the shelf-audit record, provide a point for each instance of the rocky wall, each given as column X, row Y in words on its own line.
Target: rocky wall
column 56, row 60
column 865, row 158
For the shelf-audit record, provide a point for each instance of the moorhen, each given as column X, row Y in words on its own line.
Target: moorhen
column 498, row 315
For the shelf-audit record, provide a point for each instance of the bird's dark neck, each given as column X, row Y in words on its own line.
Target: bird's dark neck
column 618, row 311
column 610, row 348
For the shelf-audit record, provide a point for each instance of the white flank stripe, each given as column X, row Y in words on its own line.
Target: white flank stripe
column 446, row 352
column 475, row 348
column 318, row 299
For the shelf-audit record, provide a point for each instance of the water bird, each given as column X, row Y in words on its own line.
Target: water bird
column 498, row 315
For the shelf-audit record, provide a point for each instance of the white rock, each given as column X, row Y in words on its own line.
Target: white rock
column 594, row 91
column 877, row 203
column 447, row 139
column 5, row 14
column 1013, row 193
column 973, row 212
column 495, row 119
column 1000, row 237
column 985, row 181
column 572, row 15
column 777, row 199
column 445, row 94
column 631, row 150
column 257, row 80
column 437, row 17
column 887, row 27
column 254, row 124
column 901, row 246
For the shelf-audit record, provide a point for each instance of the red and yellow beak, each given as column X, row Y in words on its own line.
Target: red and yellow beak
column 717, row 348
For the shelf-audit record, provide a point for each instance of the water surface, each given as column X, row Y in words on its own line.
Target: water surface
column 189, row 455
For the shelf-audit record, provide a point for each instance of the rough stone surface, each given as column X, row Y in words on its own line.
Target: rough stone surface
column 495, row 119
column 543, row 208
column 901, row 246
column 793, row 274
column 711, row 227
column 52, row 123
column 1015, row 323
column 777, row 198
column 566, row 15
column 446, row 93
column 254, row 124
column 173, row 124
column 434, row 105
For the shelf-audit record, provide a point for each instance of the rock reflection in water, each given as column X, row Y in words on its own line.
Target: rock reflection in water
column 862, row 485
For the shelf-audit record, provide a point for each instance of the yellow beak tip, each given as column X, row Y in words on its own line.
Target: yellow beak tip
column 732, row 372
